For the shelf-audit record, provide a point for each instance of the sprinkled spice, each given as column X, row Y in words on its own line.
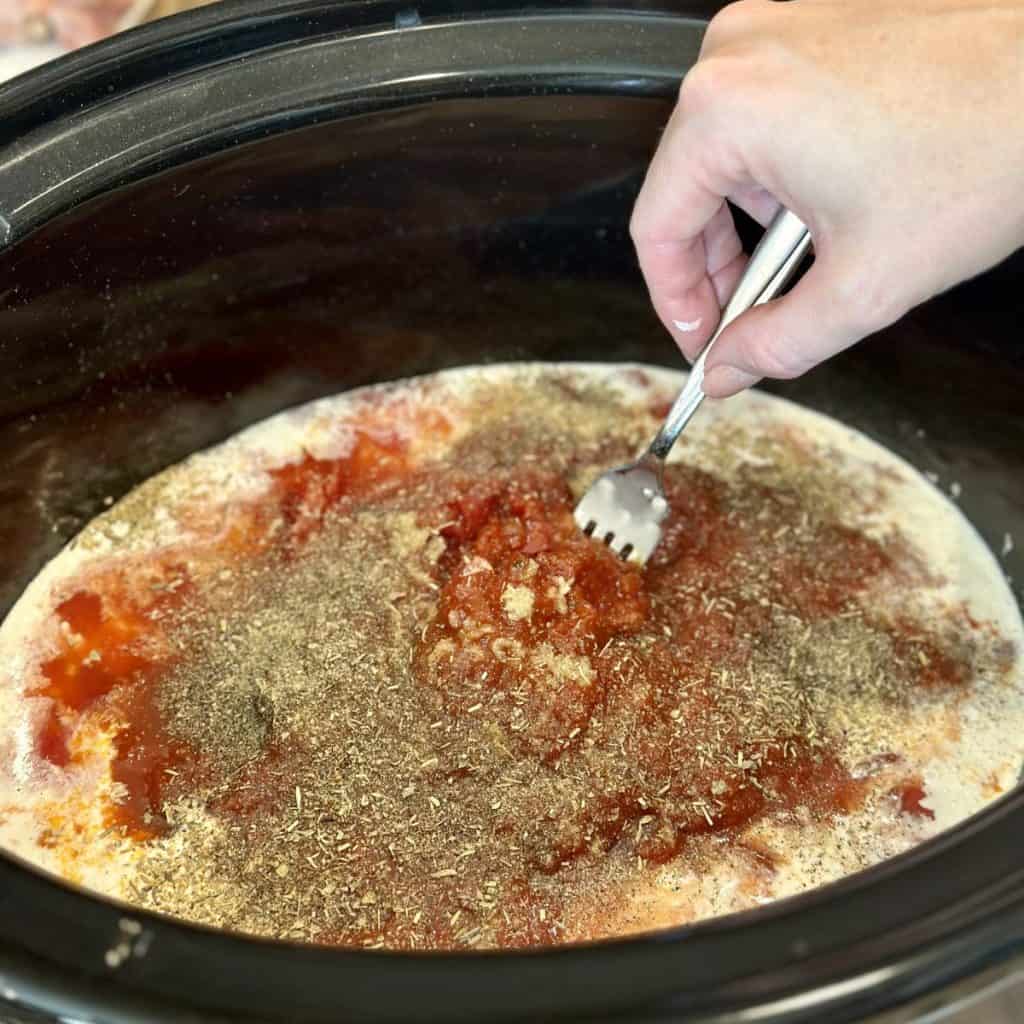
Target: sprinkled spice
column 420, row 710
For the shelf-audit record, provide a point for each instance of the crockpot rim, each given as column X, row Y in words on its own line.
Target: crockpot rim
column 51, row 101
column 39, row 904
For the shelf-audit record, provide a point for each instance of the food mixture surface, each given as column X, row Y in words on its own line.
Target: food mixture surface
column 355, row 677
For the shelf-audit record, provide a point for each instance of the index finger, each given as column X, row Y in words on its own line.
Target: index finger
column 682, row 228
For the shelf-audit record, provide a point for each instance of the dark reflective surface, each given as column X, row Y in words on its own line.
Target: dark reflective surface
column 167, row 315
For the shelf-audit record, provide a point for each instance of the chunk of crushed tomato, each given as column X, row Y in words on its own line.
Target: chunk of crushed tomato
column 525, row 605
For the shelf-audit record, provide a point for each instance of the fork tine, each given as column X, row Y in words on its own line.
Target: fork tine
column 628, row 504
column 624, row 509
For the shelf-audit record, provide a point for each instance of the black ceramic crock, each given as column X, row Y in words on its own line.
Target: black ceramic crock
column 221, row 215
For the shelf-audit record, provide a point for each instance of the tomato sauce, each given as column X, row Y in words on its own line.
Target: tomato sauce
column 529, row 609
column 911, row 795
column 525, row 601
column 111, row 657
column 98, row 653
column 112, row 654
column 305, row 491
column 519, row 539
column 261, row 785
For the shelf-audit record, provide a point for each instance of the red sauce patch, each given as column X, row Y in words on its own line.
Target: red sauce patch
column 98, row 651
column 107, row 655
column 52, row 742
column 843, row 564
column 102, row 664
column 933, row 667
column 306, row 491
column 262, row 784
column 150, row 767
column 526, row 602
column 911, row 795
column 709, row 801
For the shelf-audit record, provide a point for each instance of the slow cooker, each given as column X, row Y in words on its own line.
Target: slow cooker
column 236, row 210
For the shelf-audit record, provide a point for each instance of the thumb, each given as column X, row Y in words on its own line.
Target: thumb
column 784, row 338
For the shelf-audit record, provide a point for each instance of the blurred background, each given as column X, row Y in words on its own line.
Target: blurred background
column 33, row 31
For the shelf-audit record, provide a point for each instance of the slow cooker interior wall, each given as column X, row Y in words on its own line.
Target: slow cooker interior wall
column 168, row 314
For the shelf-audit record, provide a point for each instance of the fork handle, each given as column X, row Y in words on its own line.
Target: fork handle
column 772, row 264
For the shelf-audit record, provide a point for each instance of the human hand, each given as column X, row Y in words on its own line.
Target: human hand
column 891, row 129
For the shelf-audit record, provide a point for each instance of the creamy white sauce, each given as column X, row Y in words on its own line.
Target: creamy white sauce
column 962, row 771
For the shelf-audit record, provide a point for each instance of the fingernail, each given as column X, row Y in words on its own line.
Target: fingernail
column 688, row 326
column 687, row 338
column 724, row 380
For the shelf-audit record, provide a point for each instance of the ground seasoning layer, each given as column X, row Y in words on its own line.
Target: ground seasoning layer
column 399, row 700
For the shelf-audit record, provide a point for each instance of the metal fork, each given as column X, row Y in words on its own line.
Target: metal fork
column 625, row 507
